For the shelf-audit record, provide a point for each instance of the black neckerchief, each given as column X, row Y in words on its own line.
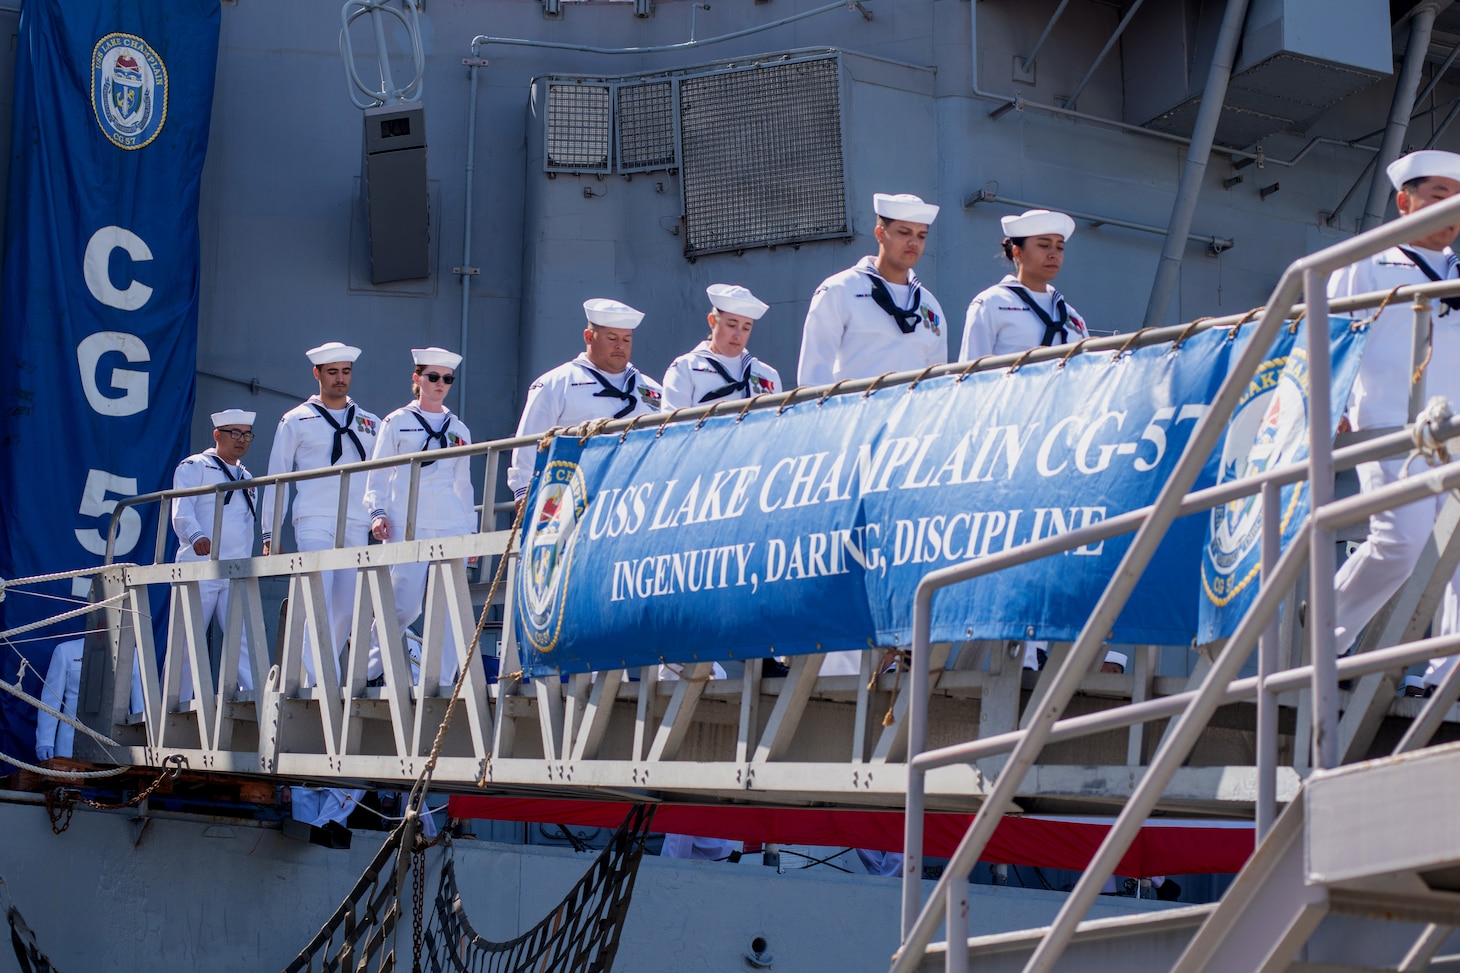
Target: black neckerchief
column 611, row 391
column 222, row 467
column 907, row 321
column 1451, row 303
column 1051, row 326
column 341, row 432
column 731, row 386
column 432, row 435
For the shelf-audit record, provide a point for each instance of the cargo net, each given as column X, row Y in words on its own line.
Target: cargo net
column 581, row 935
column 762, row 157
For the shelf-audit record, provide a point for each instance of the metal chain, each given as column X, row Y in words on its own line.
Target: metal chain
column 418, row 890
column 61, row 801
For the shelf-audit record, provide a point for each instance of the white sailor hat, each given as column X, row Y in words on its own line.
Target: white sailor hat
column 1037, row 222
column 1426, row 162
column 233, row 417
column 1119, row 658
column 332, row 351
column 734, row 299
column 439, row 357
column 608, row 313
column 904, row 206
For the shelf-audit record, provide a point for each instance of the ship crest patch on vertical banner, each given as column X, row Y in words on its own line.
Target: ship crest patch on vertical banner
column 128, row 90
column 551, row 534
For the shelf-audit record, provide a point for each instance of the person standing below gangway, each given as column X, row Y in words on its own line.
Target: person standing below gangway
column 445, row 506
column 720, row 368
column 192, row 521
column 601, row 383
column 1380, row 397
column 328, row 429
column 1024, row 311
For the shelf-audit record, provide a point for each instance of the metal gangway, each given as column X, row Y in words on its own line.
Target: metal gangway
column 968, row 730
column 1371, row 842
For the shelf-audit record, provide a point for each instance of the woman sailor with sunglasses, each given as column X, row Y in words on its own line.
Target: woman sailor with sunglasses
column 1023, row 310
column 445, row 504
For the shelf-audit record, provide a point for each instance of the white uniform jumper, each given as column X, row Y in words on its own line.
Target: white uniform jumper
column 445, row 507
column 311, row 437
column 1380, row 398
column 702, row 377
column 1009, row 318
column 577, row 392
column 192, row 520
column 849, row 334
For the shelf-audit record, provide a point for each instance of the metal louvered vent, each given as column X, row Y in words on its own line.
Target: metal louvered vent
column 645, row 126
column 761, row 152
column 578, row 127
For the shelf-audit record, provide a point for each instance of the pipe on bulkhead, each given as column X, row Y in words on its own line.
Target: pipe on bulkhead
column 1213, row 97
column 1421, row 26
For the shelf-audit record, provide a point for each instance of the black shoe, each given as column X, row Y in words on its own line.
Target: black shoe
column 771, row 668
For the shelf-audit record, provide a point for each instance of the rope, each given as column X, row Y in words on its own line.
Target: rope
column 1190, row 330
column 921, row 375
column 1427, row 441
column 62, row 575
column 73, row 613
column 1378, row 310
column 1254, row 312
column 969, row 370
column 1075, row 349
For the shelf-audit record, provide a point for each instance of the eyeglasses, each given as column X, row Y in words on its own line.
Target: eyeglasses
column 438, row 377
column 237, row 436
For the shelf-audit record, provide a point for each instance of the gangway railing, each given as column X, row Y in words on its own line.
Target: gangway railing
column 1315, row 545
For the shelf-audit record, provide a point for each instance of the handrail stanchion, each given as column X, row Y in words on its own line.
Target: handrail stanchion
column 1267, row 648
column 412, row 496
column 342, row 509
column 281, row 499
column 1419, row 349
column 215, row 541
column 917, row 738
column 1322, row 614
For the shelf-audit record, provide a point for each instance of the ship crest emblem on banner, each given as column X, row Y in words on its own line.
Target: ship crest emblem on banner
column 1272, row 419
column 552, row 533
column 128, row 90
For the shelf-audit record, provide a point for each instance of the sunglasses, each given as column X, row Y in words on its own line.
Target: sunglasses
column 237, row 436
column 438, row 377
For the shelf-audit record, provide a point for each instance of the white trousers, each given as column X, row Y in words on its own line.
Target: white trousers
column 215, row 607
column 339, row 587
column 408, row 585
column 321, row 805
column 1386, row 560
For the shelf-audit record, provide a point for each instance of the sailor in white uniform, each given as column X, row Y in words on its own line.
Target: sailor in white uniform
column 601, row 383
column 1023, row 310
column 60, row 691
column 192, row 520
column 877, row 317
column 719, row 368
column 445, row 505
column 1380, row 397
column 327, row 429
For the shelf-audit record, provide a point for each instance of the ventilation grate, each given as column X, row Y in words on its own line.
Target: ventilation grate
column 577, row 131
column 645, row 115
column 762, row 156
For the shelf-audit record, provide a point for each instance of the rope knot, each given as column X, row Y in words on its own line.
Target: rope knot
column 1427, row 440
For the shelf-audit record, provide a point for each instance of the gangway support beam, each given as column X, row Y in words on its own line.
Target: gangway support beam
column 786, row 716
column 1404, row 619
column 1267, row 914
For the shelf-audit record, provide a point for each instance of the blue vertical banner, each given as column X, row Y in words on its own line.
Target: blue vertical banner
column 99, row 295
column 1268, row 430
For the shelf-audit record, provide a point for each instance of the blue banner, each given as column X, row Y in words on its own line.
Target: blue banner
column 98, row 317
column 809, row 529
column 1268, row 430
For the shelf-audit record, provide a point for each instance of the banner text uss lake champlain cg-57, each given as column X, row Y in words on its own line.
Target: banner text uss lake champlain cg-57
column 807, row 529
